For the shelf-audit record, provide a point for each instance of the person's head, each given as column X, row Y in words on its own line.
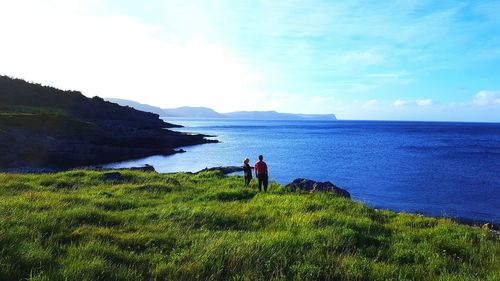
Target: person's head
column 261, row 157
column 246, row 161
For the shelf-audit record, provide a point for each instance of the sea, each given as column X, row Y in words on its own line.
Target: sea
column 440, row 169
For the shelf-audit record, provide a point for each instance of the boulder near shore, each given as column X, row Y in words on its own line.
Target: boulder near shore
column 310, row 185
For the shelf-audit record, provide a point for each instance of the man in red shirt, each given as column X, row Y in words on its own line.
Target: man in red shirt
column 261, row 173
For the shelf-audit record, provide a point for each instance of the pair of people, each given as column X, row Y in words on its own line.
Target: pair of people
column 260, row 172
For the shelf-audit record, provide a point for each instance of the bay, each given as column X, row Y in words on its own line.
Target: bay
column 433, row 168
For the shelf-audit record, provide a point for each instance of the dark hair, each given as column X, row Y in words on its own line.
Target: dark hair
column 261, row 157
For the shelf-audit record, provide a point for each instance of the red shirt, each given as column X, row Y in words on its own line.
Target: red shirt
column 260, row 168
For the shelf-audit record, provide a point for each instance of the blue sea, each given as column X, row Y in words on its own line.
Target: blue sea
column 432, row 168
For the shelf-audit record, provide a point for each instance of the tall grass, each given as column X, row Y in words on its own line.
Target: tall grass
column 77, row 226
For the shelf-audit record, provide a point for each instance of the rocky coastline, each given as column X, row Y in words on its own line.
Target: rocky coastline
column 43, row 128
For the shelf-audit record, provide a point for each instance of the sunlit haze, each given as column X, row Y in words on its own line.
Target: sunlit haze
column 389, row 60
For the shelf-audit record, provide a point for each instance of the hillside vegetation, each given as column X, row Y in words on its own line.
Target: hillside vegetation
column 44, row 127
column 17, row 95
column 77, row 225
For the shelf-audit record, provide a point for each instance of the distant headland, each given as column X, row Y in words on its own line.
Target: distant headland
column 44, row 127
column 205, row 112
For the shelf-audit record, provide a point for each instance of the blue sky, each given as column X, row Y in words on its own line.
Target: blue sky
column 389, row 60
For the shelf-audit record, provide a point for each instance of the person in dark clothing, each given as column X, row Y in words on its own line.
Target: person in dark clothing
column 247, row 170
column 261, row 173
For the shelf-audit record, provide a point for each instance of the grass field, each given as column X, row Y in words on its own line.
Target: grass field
column 148, row 226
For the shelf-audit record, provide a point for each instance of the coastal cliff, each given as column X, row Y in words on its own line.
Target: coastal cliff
column 43, row 127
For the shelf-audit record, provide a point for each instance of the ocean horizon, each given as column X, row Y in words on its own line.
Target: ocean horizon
column 440, row 169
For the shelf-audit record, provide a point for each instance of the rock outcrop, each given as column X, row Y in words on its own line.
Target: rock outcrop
column 43, row 127
column 145, row 168
column 224, row 170
column 309, row 185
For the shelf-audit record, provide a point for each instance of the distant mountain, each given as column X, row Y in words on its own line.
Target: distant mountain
column 195, row 112
column 273, row 115
column 136, row 105
column 204, row 112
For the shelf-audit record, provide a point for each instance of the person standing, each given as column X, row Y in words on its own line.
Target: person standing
column 261, row 173
column 247, row 170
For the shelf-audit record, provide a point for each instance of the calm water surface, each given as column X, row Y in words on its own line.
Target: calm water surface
column 440, row 169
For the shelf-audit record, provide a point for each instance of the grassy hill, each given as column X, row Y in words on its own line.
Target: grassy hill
column 79, row 226
column 17, row 95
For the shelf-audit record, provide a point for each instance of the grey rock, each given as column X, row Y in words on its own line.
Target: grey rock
column 309, row 185
column 145, row 168
column 224, row 170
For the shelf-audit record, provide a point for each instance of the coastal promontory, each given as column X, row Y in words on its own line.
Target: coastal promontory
column 43, row 127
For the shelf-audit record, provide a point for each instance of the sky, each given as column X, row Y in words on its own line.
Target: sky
column 369, row 60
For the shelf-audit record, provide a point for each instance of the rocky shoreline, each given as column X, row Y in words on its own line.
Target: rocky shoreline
column 33, row 148
column 43, row 128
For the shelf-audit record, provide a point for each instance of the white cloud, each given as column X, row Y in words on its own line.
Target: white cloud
column 422, row 102
column 425, row 102
column 370, row 103
column 487, row 98
column 316, row 100
column 399, row 103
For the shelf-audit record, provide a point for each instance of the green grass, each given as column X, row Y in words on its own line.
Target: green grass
column 76, row 226
column 43, row 121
